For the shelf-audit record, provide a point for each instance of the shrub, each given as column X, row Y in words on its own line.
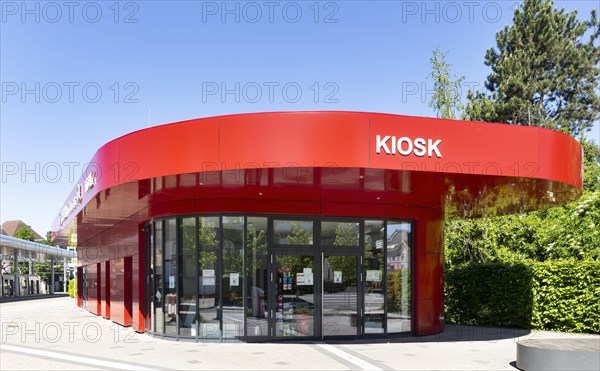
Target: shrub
column 567, row 296
column 492, row 294
column 72, row 288
column 552, row 295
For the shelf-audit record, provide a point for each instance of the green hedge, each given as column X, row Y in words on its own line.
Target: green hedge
column 554, row 295
column 492, row 294
column 72, row 288
column 567, row 296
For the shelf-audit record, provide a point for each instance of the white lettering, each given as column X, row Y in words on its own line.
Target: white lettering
column 382, row 144
column 409, row 147
column 405, row 146
column 420, row 149
column 433, row 147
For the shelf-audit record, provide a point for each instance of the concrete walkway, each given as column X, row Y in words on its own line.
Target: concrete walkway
column 53, row 334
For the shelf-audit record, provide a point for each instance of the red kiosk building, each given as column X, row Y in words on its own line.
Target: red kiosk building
column 296, row 225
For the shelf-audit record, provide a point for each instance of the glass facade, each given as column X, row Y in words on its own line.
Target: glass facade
column 257, row 278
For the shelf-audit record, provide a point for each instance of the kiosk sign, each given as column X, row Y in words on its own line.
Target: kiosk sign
column 405, row 146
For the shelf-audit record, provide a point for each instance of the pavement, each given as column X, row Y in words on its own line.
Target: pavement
column 53, row 334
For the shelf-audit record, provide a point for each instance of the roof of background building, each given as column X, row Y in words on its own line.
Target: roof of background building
column 10, row 227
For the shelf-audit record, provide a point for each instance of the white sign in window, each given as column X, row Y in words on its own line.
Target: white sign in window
column 337, row 276
column 234, row 279
column 373, row 275
column 208, row 277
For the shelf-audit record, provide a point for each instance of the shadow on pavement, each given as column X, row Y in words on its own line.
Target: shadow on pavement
column 452, row 333
column 33, row 297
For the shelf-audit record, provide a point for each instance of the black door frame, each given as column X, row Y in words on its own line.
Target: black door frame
column 317, row 251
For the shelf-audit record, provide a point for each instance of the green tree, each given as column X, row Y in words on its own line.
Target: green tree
column 345, row 235
column 445, row 99
column 207, row 236
column 299, row 236
column 545, row 71
column 591, row 165
column 24, row 233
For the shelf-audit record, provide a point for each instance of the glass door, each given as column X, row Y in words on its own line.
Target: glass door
column 294, row 296
column 292, row 272
column 340, row 303
column 342, row 281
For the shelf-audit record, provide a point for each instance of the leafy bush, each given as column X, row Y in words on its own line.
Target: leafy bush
column 492, row 294
column 72, row 288
column 567, row 232
column 552, row 295
column 567, row 296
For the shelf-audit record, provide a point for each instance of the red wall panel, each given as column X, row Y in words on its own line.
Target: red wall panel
column 127, row 291
column 117, row 291
column 93, row 284
column 79, row 286
column 107, row 288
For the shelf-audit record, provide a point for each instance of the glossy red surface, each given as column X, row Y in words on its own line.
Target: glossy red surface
column 106, row 288
column 120, row 290
column 103, row 287
column 137, row 294
column 314, row 163
column 79, row 286
column 93, row 279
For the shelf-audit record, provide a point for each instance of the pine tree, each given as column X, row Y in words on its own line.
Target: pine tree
column 545, row 71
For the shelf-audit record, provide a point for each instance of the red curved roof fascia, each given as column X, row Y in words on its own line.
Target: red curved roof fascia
column 335, row 139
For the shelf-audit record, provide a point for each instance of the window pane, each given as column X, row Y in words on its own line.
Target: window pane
column 339, row 234
column 188, row 289
column 208, row 228
column 233, row 278
column 373, row 271
column 257, row 271
column 171, row 277
column 340, row 299
column 399, row 243
column 158, row 278
column 149, row 325
column 293, row 232
column 295, row 309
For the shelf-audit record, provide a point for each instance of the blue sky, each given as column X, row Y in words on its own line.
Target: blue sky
column 76, row 76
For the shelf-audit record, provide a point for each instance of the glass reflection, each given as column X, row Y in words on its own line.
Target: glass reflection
column 188, row 289
column 340, row 234
column 149, row 323
column 293, row 232
column 171, row 276
column 340, row 295
column 208, row 302
column 210, row 278
column 233, row 278
column 295, row 299
column 373, row 276
column 257, row 271
column 399, row 244
column 158, row 278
